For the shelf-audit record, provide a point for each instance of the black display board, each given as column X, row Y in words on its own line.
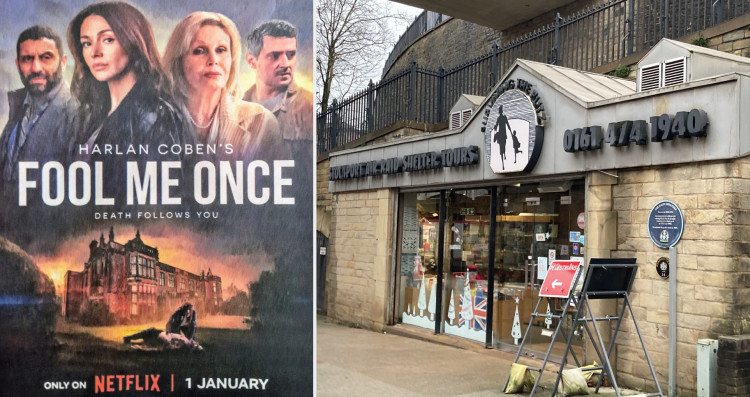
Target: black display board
column 608, row 278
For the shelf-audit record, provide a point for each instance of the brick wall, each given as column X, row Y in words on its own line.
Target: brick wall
column 360, row 258
column 712, row 280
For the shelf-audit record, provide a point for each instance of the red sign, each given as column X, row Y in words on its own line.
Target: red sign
column 560, row 278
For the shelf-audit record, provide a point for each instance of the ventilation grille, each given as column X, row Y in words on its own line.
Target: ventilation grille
column 674, row 72
column 663, row 74
column 455, row 121
column 650, row 77
column 458, row 119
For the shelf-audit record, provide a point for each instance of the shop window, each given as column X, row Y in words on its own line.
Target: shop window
column 466, row 264
column 419, row 225
column 534, row 224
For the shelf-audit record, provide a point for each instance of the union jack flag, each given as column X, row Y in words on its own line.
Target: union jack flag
column 461, row 319
column 480, row 313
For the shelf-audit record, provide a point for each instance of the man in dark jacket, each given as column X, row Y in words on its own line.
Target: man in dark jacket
column 42, row 114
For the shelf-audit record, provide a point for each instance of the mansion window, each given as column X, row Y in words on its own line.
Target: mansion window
column 182, row 282
column 161, row 278
column 142, row 266
column 171, row 280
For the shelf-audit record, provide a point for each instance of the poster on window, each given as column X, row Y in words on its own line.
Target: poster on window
column 155, row 198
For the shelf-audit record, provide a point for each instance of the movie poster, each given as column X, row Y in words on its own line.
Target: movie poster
column 156, row 169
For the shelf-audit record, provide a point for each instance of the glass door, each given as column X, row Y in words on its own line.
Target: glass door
column 466, row 264
column 536, row 223
column 419, row 257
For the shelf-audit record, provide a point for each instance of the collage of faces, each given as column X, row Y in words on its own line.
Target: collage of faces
column 125, row 94
column 183, row 131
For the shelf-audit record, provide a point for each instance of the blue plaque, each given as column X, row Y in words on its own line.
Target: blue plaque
column 665, row 224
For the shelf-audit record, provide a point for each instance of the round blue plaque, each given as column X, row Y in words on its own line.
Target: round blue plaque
column 665, row 224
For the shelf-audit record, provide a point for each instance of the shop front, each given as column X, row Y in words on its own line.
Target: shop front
column 482, row 254
column 453, row 231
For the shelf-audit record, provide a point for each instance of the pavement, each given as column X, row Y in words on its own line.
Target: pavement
column 409, row 361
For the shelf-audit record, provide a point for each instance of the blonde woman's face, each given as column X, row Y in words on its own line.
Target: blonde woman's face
column 208, row 61
column 102, row 51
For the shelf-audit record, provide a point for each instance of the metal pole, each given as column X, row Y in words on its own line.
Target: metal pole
column 370, row 105
column 413, row 91
column 491, row 271
column 664, row 17
column 439, row 284
column 631, row 21
column 672, row 320
column 556, row 52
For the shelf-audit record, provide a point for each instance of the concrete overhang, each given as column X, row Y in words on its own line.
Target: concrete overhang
column 496, row 14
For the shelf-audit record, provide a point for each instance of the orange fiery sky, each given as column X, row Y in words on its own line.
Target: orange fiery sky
column 178, row 247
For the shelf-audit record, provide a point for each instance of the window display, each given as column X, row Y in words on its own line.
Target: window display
column 534, row 224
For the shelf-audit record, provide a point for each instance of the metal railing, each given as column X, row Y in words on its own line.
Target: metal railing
column 588, row 39
column 423, row 23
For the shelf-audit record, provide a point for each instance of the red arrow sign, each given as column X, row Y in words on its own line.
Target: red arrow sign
column 560, row 278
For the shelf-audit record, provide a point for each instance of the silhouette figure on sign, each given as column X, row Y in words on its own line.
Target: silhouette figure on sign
column 516, row 146
column 501, row 134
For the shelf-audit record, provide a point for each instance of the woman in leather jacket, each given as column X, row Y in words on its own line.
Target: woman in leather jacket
column 122, row 90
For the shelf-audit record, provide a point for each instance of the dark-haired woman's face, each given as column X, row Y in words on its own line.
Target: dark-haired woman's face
column 102, row 51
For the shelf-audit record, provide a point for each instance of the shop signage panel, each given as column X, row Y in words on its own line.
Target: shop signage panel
column 514, row 127
column 666, row 127
column 560, row 278
column 665, row 224
column 455, row 157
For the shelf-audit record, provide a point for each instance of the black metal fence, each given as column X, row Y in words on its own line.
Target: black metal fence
column 422, row 24
column 588, row 39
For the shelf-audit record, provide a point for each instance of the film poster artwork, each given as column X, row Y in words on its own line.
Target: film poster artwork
column 511, row 133
column 156, row 198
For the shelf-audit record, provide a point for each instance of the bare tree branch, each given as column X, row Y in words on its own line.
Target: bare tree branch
column 350, row 36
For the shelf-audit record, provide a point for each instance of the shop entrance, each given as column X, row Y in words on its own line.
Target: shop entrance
column 445, row 258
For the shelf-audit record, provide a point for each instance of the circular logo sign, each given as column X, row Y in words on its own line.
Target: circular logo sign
column 665, row 224
column 662, row 267
column 581, row 220
column 513, row 140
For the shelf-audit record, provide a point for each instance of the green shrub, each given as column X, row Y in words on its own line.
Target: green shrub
column 700, row 41
column 622, row 71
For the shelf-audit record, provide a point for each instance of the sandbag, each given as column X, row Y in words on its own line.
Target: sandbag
column 573, row 383
column 519, row 377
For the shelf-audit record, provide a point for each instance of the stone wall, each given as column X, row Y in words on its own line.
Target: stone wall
column 733, row 366
column 322, row 198
column 459, row 41
column 360, row 261
column 713, row 282
column 732, row 37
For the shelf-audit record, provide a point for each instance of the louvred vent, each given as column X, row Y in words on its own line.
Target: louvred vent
column 458, row 119
column 674, row 72
column 465, row 116
column 455, row 121
column 650, row 77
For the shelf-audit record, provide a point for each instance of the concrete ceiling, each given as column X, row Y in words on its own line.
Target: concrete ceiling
column 496, row 14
